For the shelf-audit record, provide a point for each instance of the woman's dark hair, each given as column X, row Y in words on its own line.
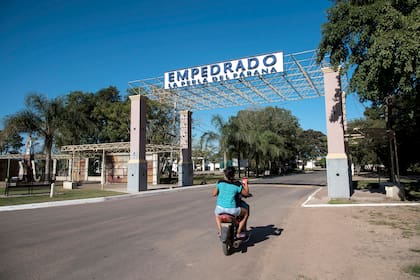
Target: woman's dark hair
column 229, row 172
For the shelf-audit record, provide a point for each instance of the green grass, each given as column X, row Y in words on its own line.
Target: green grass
column 409, row 226
column 206, row 179
column 17, row 197
column 411, row 187
column 413, row 270
column 340, row 201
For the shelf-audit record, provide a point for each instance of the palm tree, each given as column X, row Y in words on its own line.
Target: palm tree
column 218, row 122
column 42, row 117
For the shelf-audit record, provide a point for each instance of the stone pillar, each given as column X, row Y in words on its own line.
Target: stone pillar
column 185, row 166
column 137, row 165
column 338, row 179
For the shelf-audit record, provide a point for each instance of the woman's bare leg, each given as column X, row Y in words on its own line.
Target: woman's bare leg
column 219, row 225
column 244, row 215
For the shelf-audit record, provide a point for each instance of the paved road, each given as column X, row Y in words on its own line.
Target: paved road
column 168, row 236
column 315, row 178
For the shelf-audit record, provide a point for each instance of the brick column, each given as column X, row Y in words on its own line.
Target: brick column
column 185, row 166
column 338, row 175
column 137, row 165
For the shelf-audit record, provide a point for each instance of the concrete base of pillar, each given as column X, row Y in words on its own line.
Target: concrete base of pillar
column 338, row 179
column 67, row 185
column 185, row 174
column 393, row 192
column 137, row 176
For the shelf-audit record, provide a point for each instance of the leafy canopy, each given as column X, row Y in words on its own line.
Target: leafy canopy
column 269, row 137
column 378, row 42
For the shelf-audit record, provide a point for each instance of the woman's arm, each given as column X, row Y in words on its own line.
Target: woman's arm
column 215, row 191
column 245, row 190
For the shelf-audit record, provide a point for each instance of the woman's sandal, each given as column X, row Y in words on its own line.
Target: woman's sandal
column 241, row 235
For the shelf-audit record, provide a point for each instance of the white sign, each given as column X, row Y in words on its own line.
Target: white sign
column 223, row 71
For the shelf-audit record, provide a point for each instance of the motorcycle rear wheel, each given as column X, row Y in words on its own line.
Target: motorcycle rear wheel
column 227, row 248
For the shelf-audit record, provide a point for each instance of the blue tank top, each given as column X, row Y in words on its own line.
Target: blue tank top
column 227, row 194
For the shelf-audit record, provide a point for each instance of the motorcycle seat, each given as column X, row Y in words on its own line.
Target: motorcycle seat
column 226, row 218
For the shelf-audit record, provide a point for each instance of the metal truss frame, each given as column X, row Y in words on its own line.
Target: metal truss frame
column 97, row 149
column 302, row 78
column 116, row 147
column 36, row 156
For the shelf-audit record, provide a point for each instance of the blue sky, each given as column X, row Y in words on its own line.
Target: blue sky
column 57, row 46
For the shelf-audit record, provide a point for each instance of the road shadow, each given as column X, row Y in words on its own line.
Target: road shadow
column 258, row 235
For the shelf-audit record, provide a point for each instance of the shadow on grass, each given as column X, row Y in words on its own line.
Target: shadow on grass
column 373, row 187
column 411, row 188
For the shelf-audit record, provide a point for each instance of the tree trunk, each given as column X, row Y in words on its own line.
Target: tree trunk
column 48, row 152
column 224, row 159
column 388, row 115
column 239, row 164
column 257, row 161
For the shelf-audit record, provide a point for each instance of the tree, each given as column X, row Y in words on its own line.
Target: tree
column 161, row 123
column 104, row 117
column 10, row 142
column 205, row 147
column 111, row 115
column 80, row 126
column 378, row 40
column 265, row 136
column 312, row 144
column 377, row 43
column 406, row 124
column 368, row 139
column 42, row 117
column 220, row 124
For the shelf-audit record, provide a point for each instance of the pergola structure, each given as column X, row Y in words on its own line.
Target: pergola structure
column 21, row 157
column 90, row 150
column 300, row 78
column 115, row 147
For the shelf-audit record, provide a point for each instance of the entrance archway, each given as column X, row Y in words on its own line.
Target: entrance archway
column 255, row 80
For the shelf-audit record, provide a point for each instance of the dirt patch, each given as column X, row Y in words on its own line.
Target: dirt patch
column 347, row 243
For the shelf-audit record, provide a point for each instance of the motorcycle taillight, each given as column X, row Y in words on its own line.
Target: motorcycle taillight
column 225, row 218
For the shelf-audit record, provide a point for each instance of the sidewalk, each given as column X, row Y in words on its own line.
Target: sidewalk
column 359, row 198
column 122, row 187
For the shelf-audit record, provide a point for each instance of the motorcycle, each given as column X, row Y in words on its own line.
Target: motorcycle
column 228, row 236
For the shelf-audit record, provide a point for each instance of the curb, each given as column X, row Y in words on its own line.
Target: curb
column 388, row 204
column 96, row 199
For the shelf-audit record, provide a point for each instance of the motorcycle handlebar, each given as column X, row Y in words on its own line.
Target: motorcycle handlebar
column 249, row 195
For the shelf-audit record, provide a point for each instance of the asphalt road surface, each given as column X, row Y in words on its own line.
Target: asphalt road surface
column 316, row 178
column 166, row 236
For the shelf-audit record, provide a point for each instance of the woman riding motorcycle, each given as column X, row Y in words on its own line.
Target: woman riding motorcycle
column 227, row 192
